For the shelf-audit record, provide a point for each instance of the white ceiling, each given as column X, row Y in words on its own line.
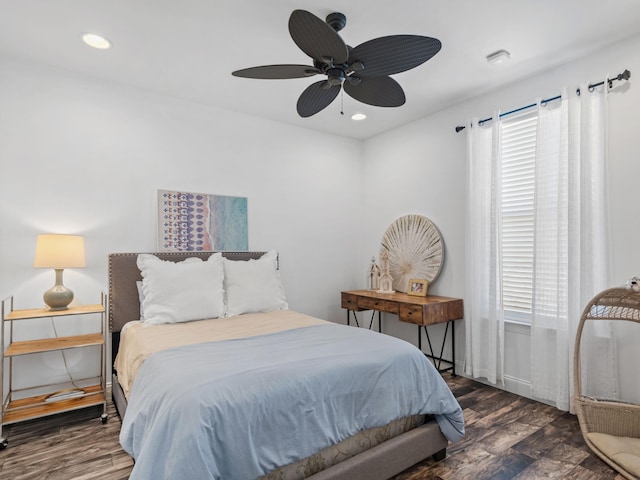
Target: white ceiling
column 188, row 48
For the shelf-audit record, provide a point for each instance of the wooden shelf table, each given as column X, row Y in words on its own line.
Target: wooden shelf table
column 94, row 392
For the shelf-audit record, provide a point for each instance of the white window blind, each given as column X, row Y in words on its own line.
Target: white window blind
column 518, row 174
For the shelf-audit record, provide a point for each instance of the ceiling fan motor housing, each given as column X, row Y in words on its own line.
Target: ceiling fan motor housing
column 336, row 20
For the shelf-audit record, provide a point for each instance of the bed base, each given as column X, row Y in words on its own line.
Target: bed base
column 391, row 457
column 119, row 400
column 378, row 463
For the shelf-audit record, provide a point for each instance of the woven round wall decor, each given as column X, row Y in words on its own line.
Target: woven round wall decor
column 415, row 248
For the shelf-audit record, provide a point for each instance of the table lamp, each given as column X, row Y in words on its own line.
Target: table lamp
column 59, row 252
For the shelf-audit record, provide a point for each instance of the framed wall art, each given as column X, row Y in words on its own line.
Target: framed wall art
column 201, row 222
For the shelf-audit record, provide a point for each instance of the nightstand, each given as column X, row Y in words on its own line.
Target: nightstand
column 17, row 405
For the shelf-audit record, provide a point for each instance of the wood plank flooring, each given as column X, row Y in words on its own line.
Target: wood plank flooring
column 511, row 437
column 507, row 437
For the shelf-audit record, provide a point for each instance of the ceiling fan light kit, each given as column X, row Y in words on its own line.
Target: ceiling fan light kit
column 364, row 71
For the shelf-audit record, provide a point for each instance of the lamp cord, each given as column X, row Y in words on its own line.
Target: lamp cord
column 64, row 358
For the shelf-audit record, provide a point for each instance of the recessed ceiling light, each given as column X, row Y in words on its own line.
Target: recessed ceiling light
column 500, row 56
column 358, row 116
column 96, row 41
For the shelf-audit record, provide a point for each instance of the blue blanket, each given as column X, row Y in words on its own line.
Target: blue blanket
column 238, row 409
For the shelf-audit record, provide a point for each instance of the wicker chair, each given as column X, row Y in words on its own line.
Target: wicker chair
column 610, row 428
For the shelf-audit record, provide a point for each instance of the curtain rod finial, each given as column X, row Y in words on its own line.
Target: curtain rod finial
column 459, row 128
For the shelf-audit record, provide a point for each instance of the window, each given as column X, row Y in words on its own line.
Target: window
column 517, row 155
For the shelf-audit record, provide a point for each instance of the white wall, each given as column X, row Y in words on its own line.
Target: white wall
column 82, row 156
column 420, row 168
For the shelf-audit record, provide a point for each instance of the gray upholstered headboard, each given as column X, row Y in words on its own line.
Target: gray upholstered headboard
column 123, row 301
column 124, row 305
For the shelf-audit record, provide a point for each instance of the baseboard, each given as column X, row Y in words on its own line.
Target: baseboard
column 517, row 386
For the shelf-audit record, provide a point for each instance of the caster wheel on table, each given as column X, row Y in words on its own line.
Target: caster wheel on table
column 3, row 443
column 104, row 417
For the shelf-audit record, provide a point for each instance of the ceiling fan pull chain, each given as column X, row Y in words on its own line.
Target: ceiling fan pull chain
column 341, row 102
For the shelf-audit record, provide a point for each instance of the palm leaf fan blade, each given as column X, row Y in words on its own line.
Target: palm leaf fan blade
column 376, row 91
column 394, row 54
column 276, row 72
column 316, row 97
column 315, row 38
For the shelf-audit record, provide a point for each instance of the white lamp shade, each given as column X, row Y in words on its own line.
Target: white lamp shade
column 59, row 251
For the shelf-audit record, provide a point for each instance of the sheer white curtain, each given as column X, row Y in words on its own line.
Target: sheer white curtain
column 570, row 243
column 484, row 325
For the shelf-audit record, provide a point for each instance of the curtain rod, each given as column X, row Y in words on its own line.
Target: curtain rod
column 626, row 75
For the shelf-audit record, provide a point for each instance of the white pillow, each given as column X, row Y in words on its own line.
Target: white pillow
column 180, row 292
column 139, row 282
column 140, row 298
column 254, row 285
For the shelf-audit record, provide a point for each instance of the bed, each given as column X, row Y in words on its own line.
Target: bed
column 272, row 395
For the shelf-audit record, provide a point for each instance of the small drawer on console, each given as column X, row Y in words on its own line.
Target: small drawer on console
column 378, row 304
column 350, row 302
column 411, row 314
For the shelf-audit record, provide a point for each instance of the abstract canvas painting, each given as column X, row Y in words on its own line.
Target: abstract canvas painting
column 200, row 221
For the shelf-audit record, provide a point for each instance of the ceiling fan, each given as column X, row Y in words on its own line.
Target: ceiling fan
column 363, row 71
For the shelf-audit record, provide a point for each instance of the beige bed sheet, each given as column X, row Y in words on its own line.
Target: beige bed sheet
column 138, row 341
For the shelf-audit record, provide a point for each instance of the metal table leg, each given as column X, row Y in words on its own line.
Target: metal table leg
column 373, row 314
column 440, row 358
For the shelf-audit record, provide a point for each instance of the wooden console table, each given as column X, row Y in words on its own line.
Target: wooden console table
column 422, row 311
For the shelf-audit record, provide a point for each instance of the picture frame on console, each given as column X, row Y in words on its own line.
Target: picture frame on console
column 417, row 287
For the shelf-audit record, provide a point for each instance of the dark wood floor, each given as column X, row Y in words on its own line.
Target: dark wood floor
column 507, row 437
column 511, row 437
